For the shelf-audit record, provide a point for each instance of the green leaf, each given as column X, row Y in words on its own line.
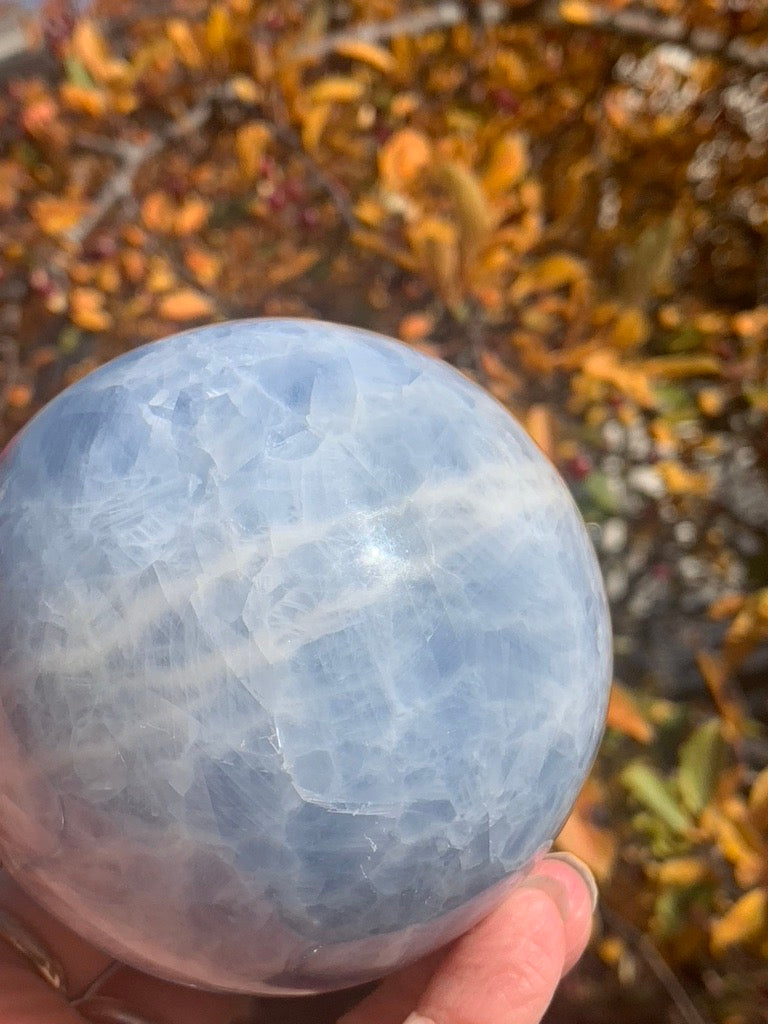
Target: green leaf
column 702, row 758
column 650, row 789
column 600, row 491
column 77, row 73
column 70, row 339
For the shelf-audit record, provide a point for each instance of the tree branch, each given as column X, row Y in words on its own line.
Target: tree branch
column 631, row 24
column 131, row 157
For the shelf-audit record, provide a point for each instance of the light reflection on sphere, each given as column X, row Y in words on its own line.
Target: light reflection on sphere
column 304, row 655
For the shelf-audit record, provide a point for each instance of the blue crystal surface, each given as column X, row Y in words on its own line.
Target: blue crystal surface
column 304, row 655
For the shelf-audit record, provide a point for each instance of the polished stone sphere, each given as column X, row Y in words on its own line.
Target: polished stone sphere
column 304, row 655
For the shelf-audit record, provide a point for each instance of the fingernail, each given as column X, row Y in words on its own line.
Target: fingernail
column 416, row 1018
column 556, row 892
column 581, row 869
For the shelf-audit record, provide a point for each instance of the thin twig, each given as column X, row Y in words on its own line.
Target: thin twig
column 131, row 157
column 656, row 964
column 631, row 24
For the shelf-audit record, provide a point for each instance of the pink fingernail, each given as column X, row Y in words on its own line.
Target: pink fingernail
column 581, row 869
column 416, row 1018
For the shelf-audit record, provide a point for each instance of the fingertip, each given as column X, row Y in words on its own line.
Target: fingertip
column 506, row 968
column 579, row 887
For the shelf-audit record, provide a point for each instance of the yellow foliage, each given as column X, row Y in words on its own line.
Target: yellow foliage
column 251, row 141
column 508, row 164
column 403, row 157
column 744, row 923
column 180, row 34
column 680, row 480
column 55, row 215
column 625, row 716
column 185, row 304
column 90, row 47
column 335, row 89
column 681, row 872
column 368, row 53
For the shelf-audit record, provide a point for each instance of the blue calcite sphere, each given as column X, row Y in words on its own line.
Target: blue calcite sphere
column 304, row 655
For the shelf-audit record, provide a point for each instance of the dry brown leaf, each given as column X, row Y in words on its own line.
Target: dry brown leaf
column 293, row 267
column 403, row 157
column 625, row 716
column 596, row 846
column 185, row 304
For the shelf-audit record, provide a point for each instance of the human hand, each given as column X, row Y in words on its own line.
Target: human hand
column 506, row 969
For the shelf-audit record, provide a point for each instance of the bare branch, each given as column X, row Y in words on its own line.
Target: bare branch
column 631, row 24
column 131, row 157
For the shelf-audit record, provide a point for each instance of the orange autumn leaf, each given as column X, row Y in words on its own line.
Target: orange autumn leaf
column 415, row 327
column 367, row 53
column 293, row 267
column 744, row 923
column 630, row 379
column 403, row 157
column 251, row 141
column 203, row 265
column 90, row 47
column 625, row 716
column 157, row 212
column 680, row 480
column 86, row 309
column 185, row 304
column 540, row 425
column 596, row 846
column 335, row 89
column 508, row 164
column 56, row 215
column 191, row 216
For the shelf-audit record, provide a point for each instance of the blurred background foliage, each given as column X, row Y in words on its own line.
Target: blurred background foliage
column 569, row 201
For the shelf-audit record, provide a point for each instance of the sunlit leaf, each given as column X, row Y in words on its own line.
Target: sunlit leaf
column 702, row 758
column 185, row 304
column 596, row 845
column 402, row 157
column 251, row 141
column 650, row 790
column 743, row 923
column 508, row 164
column 375, row 56
column 335, row 89
column 625, row 716
column 55, row 215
